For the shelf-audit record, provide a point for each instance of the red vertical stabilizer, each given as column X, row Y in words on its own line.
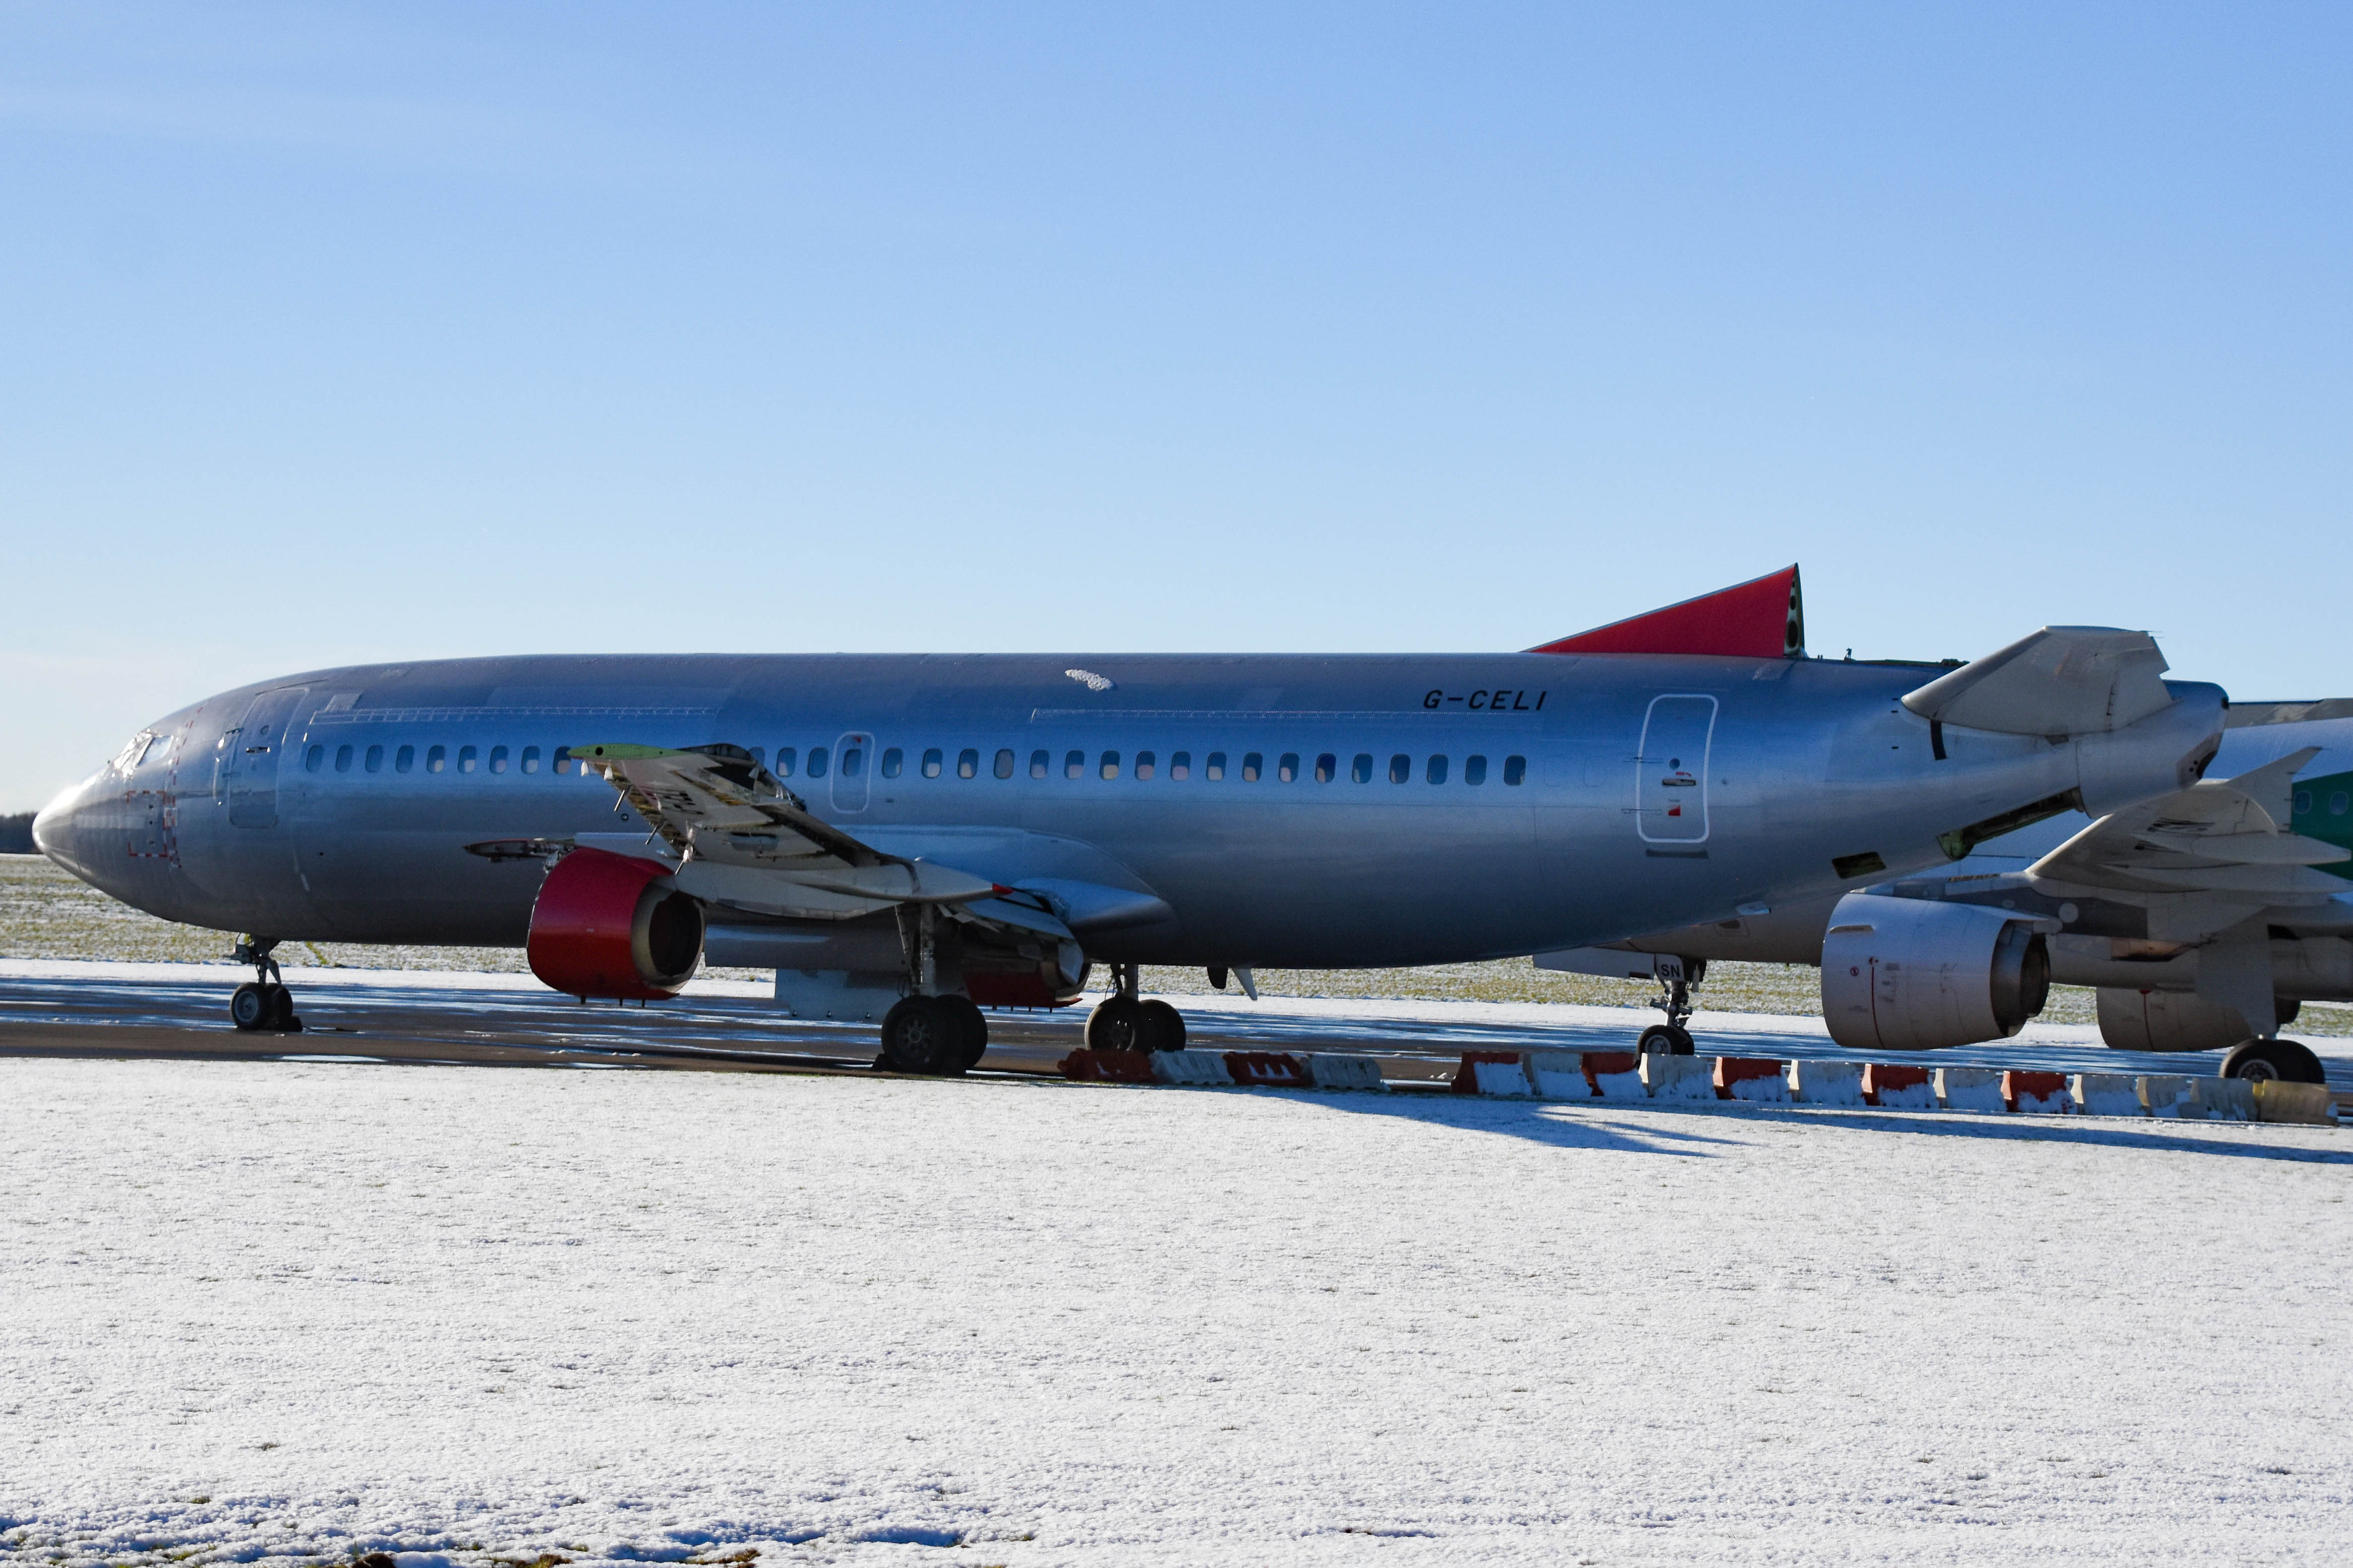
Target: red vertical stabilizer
column 1763, row 619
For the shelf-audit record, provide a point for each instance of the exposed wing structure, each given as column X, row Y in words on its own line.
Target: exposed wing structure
column 746, row 842
column 2061, row 680
column 2201, row 859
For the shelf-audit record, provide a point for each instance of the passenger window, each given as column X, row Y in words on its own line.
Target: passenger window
column 967, row 763
column 467, row 757
column 1287, row 769
column 816, row 762
column 853, row 762
column 1401, row 768
column 313, row 758
column 1075, row 765
column 343, row 759
column 1145, row 763
column 2337, row 803
column 894, row 761
column 1005, row 764
column 562, row 759
column 785, row 757
column 2303, row 801
column 1436, row 772
column 1516, row 769
column 498, row 758
column 1180, row 765
column 1475, row 770
column 1111, row 765
column 1328, row 768
column 932, row 762
column 531, row 759
column 1360, row 767
column 1038, row 763
column 1251, row 765
column 437, row 758
column 375, row 759
column 1216, row 767
column 405, row 760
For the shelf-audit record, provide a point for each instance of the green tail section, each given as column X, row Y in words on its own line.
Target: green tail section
column 2323, row 809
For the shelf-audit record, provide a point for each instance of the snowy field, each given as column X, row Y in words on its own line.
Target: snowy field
column 288, row 1313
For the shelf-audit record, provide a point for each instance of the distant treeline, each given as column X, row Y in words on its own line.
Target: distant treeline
column 17, row 834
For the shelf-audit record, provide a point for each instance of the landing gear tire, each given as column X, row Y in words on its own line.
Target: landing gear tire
column 924, row 1034
column 1666, row 1039
column 1159, row 1026
column 1117, row 1024
column 2282, row 1061
column 281, row 1015
column 251, row 1006
column 975, row 1029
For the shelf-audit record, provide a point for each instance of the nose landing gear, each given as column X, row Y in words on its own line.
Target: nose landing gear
column 1670, row 1038
column 262, row 1002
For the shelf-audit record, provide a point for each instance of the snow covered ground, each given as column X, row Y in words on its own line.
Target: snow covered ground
column 288, row 1313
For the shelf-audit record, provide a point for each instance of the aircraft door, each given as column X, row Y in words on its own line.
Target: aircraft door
column 1670, row 772
column 854, row 768
column 250, row 767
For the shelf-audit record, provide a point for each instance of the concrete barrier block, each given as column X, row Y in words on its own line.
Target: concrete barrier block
column 2106, row 1094
column 2036, row 1093
column 1972, row 1089
column 1108, row 1066
column 1679, row 1078
column 1827, row 1083
column 1192, row 1068
column 1329, row 1070
column 1760, row 1079
column 1268, row 1069
column 2163, row 1094
column 2227, row 1099
column 1615, row 1075
column 1557, row 1075
column 1469, row 1080
column 1893, row 1087
column 2312, row 1104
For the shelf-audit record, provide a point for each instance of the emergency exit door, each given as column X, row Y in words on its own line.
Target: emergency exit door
column 1671, row 770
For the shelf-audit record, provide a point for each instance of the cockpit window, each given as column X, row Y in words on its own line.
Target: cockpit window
column 135, row 751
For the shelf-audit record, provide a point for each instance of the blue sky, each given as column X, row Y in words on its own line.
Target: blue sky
column 340, row 334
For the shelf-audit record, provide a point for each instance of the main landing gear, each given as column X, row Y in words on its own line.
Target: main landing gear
column 2273, row 1061
column 927, row 1032
column 262, row 1002
column 1123, row 1021
column 1670, row 1038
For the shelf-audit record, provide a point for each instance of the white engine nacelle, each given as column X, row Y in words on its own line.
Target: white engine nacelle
column 2137, row 1020
column 1909, row 974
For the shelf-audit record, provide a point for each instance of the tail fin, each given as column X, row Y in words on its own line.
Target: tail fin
column 1761, row 619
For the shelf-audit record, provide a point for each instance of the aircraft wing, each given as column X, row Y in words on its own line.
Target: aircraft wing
column 2201, row 859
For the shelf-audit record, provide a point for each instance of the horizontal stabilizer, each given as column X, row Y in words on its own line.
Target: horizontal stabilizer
column 2061, row 680
column 1763, row 619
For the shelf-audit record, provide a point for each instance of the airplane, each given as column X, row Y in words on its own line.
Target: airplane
column 2204, row 918
column 905, row 841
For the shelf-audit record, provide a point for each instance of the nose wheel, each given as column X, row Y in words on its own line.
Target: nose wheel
column 1670, row 1038
column 263, row 1003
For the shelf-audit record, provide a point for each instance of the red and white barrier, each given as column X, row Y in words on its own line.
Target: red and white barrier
column 1268, row 1069
column 1753, row 1078
column 2165, row 1094
column 1972, row 1089
column 1327, row 1069
column 2106, row 1094
column 2036, row 1093
column 1198, row 1068
column 1898, row 1087
column 1615, row 1075
column 1108, row 1066
column 1679, row 1078
column 1494, row 1073
column 1827, row 1083
column 1557, row 1075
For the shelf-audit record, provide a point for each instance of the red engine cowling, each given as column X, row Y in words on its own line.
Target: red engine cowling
column 611, row 925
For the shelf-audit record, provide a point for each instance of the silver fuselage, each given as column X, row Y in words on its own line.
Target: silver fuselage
column 1655, row 791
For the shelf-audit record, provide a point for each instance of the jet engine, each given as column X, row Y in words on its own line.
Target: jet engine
column 612, row 925
column 1918, row 973
column 2137, row 1020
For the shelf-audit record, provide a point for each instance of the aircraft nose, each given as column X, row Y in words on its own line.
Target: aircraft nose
column 61, row 829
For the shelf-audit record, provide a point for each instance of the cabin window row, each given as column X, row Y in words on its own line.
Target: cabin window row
column 437, row 758
column 1400, row 767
